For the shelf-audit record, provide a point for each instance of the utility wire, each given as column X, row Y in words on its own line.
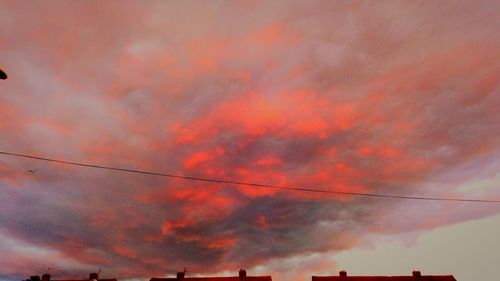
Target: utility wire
column 49, row 269
column 64, row 272
column 249, row 184
column 88, row 245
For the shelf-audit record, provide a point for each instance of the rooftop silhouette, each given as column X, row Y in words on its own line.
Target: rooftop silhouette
column 416, row 275
column 242, row 275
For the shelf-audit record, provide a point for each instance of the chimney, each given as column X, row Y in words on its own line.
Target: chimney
column 416, row 274
column 46, row 277
column 93, row 276
column 180, row 275
column 243, row 274
column 35, row 278
column 343, row 273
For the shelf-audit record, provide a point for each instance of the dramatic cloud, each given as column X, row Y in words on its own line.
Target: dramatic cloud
column 396, row 98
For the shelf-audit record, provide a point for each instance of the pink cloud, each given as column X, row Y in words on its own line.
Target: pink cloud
column 353, row 97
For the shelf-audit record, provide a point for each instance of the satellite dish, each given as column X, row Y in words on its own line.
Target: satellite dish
column 3, row 75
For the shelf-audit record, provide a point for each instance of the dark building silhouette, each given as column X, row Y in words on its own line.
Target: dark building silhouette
column 47, row 277
column 3, row 75
column 242, row 276
column 416, row 276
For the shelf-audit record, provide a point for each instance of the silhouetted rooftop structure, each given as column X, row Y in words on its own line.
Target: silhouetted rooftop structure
column 47, row 277
column 3, row 75
column 242, row 275
column 416, row 276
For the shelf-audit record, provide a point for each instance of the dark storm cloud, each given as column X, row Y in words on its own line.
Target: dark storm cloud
column 351, row 96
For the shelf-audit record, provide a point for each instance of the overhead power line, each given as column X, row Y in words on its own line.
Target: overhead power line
column 248, row 184
column 50, row 269
column 85, row 244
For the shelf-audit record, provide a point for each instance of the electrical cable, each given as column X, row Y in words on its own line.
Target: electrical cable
column 248, row 184
column 88, row 245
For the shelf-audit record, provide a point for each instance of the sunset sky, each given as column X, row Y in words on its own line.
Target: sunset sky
column 386, row 97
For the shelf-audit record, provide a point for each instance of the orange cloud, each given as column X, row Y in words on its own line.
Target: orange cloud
column 302, row 96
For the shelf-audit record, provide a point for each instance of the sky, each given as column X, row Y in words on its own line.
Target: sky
column 386, row 97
